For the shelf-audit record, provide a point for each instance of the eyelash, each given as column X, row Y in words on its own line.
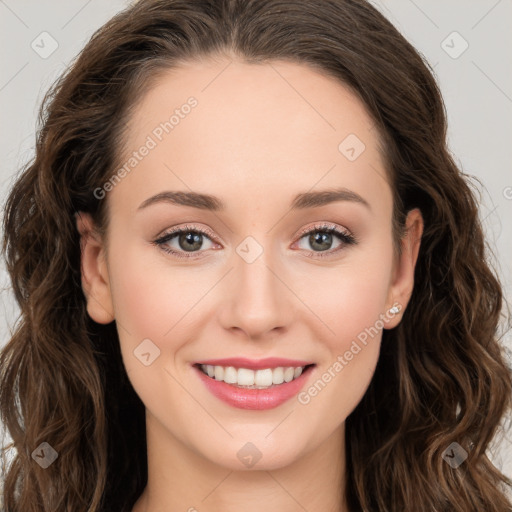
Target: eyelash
column 346, row 239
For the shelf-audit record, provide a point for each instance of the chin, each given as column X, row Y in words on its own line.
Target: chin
column 257, row 455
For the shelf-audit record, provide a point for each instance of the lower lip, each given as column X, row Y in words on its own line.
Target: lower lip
column 255, row 399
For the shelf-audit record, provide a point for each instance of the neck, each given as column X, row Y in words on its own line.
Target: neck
column 180, row 478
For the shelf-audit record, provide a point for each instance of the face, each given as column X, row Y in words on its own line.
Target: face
column 270, row 274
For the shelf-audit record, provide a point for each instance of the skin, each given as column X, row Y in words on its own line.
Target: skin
column 259, row 135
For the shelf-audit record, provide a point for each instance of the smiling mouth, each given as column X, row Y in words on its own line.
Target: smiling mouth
column 254, row 379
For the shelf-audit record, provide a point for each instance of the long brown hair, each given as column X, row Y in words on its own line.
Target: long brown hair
column 441, row 376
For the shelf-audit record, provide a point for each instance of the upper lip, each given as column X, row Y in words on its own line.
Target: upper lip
column 253, row 364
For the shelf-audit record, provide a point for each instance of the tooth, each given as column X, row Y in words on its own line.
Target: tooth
column 230, row 375
column 219, row 373
column 288, row 374
column 248, row 377
column 263, row 377
column 245, row 377
column 278, row 376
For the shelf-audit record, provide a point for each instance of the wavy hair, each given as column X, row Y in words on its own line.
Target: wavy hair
column 441, row 376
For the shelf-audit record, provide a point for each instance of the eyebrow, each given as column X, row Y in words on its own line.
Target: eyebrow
column 301, row 201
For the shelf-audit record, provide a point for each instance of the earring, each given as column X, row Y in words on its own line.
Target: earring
column 395, row 309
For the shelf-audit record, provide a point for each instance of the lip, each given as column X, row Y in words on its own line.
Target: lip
column 253, row 364
column 255, row 399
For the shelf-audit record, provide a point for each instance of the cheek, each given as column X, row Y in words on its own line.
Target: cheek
column 351, row 305
column 352, row 310
column 157, row 301
column 350, row 298
column 146, row 305
column 150, row 310
column 150, row 296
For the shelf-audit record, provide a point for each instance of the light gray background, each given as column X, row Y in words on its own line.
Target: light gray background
column 476, row 85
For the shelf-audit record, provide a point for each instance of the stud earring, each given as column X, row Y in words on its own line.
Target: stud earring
column 395, row 309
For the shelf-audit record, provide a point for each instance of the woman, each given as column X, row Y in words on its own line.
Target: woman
column 250, row 275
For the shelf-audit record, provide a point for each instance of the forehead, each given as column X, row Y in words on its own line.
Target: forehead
column 254, row 129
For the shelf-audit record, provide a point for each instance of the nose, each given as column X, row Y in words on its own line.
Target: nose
column 255, row 297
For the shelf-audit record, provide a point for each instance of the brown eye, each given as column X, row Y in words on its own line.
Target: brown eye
column 321, row 238
column 187, row 240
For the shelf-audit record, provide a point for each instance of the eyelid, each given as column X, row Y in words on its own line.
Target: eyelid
column 323, row 225
column 187, row 227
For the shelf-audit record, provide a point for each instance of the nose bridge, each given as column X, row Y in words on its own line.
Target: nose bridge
column 255, row 257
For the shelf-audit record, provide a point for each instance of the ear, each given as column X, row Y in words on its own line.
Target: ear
column 402, row 283
column 94, row 271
